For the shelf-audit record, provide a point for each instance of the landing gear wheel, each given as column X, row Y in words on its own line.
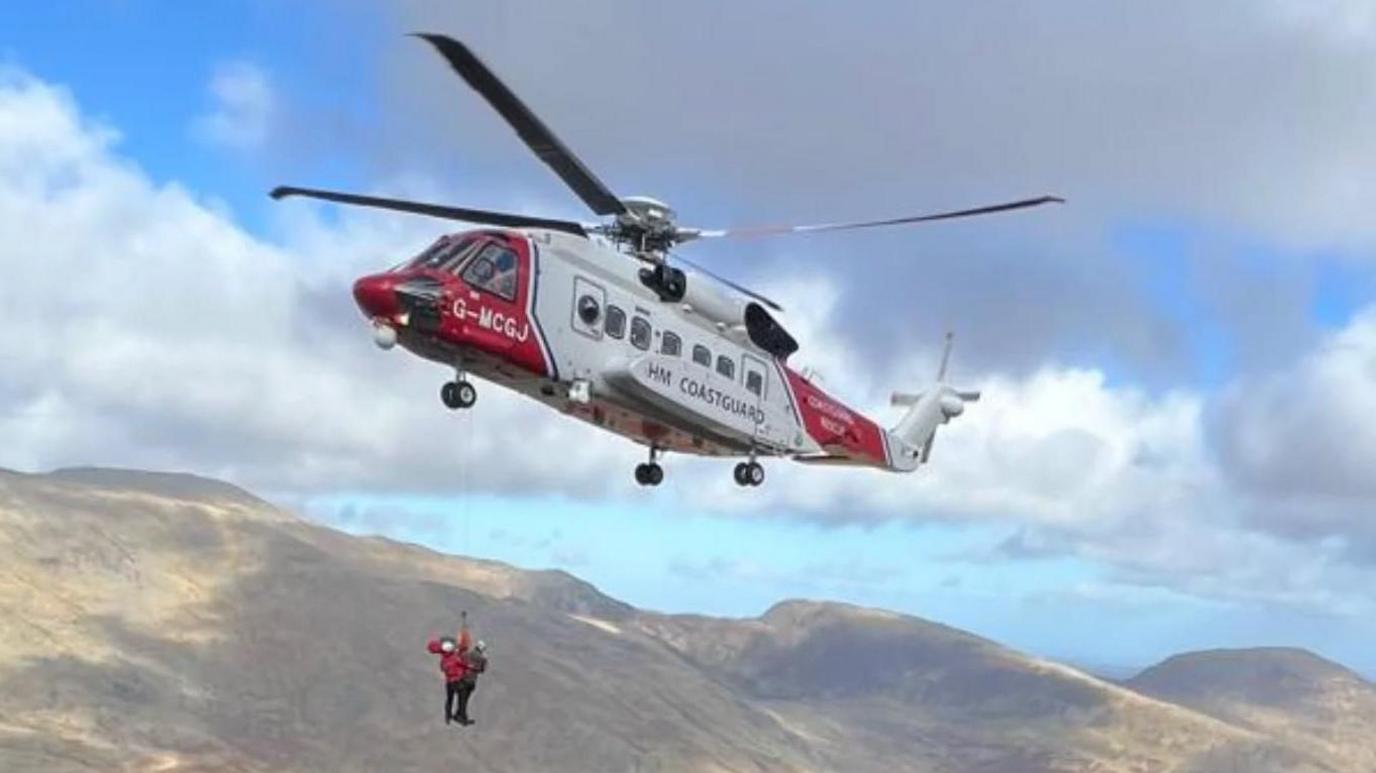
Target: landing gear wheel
column 748, row 474
column 754, row 473
column 468, row 394
column 649, row 474
column 458, row 394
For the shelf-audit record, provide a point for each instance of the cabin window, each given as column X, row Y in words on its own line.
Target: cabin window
column 754, row 382
column 670, row 344
column 726, row 366
column 589, row 309
column 701, row 356
column 754, row 372
column 640, row 333
column 616, row 322
column 493, row 271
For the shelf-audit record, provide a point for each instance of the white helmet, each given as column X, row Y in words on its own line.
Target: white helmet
column 447, row 645
column 481, row 646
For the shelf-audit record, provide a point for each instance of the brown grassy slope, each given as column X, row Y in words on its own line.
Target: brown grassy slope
column 160, row 622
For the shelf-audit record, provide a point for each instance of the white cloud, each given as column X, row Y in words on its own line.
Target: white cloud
column 160, row 334
column 1310, row 428
column 244, row 105
column 139, row 326
column 1299, row 444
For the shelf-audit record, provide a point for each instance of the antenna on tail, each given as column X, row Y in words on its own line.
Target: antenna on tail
column 945, row 357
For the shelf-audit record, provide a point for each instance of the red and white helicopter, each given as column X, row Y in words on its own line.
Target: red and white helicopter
column 594, row 321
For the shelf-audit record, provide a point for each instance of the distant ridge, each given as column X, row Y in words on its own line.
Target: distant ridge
column 1284, row 678
column 179, row 485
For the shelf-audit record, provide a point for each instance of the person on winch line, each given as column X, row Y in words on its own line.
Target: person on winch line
column 475, row 662
column 453, row 665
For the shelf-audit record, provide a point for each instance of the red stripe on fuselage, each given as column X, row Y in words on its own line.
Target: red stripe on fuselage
column 836, row 428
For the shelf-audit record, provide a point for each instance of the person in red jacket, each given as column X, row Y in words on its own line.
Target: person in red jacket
column 453, row 665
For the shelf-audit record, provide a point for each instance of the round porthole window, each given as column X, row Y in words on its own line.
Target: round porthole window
column 589, row 309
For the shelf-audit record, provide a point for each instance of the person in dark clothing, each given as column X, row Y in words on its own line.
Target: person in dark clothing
column 475, row 662
column 453, row 667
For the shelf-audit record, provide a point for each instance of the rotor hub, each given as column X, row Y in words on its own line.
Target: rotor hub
column 648, row 227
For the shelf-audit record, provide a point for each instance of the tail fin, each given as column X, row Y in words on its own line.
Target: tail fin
column 911, row 440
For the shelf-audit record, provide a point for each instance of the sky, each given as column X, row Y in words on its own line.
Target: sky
column 1175, row 445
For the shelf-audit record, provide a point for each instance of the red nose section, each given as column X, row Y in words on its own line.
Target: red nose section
column 376, row 295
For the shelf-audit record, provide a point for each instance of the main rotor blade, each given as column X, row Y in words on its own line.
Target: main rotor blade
column 483, row 216
column 738, row 288
column 535, row 134
column 785, row 229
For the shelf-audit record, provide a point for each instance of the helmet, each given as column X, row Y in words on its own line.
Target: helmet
column 481, row 646
column 447, row 645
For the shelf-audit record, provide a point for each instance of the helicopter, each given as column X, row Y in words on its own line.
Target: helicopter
column 597, row 321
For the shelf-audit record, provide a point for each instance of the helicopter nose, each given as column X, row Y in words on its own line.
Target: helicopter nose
column 376, row 295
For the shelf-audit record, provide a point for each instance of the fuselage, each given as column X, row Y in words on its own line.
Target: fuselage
column 568, row 321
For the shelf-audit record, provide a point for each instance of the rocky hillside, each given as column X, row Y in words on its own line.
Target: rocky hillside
column 165, row 622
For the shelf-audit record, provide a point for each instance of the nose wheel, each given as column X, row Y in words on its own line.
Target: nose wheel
column 749, row 474
column 650, row 473
column 458, row 394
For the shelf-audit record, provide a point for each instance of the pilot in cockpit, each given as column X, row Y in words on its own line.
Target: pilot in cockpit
column 504, row 283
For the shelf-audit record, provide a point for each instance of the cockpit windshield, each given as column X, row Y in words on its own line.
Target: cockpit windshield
column 448, row 253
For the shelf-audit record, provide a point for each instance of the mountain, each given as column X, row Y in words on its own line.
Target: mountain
column 1312, row 703
column 168, row 622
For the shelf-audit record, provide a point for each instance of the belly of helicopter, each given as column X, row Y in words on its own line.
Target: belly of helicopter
column 647, row 422
column 686, row 394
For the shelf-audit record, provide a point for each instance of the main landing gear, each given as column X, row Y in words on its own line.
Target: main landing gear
column 749, row 473
column 650, row 474
column 458, row 393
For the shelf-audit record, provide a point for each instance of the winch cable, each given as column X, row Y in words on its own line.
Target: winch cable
column 465, row 478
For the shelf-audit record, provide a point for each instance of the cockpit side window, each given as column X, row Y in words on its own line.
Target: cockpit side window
column 493, row 270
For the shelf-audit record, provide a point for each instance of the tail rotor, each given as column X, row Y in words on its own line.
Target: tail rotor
column 916, row 433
